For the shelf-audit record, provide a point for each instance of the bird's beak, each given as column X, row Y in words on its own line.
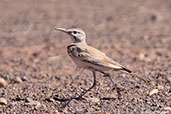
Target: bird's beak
column 61, row 29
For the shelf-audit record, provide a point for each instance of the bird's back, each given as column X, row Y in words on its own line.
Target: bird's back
column 83, row 52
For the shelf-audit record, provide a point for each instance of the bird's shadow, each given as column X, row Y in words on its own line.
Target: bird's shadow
column 65, row 101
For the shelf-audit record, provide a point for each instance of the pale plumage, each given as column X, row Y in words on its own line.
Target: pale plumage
column 88, row 57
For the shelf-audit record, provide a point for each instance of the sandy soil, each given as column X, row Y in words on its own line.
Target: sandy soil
column 136, row 33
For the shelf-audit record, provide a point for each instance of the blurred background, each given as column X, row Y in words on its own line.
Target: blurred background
column 136, row 33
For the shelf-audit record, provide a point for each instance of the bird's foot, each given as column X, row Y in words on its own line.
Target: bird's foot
column 79, row 98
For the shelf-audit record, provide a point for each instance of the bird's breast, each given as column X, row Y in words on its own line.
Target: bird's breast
column 73, row 50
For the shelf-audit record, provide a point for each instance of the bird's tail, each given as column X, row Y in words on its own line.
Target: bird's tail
column 132, row 74
column 127, row 70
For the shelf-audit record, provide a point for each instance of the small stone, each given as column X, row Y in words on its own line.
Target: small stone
column 153, row 17
column 3, row 101
column 160, row 87
column 51, row 100
column 3, row 83
column 141, row 56
column 35, row 54
column 56, row 112
column 144, row 56
column 18, row 80
column 24, row 78
column 37, row 105
column 167, row 108
column 29, row 100
column 154, row 91
column 153, row 82
column 146, row 37
column 34, row 103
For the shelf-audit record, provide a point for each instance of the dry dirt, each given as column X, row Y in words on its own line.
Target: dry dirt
column 136, row 33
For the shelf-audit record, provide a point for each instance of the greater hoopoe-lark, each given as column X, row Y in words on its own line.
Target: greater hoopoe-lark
column 88, row 57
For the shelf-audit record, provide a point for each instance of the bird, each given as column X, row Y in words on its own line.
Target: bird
column 90, row 58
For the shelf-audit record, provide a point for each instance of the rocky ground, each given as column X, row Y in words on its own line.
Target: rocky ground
column 37, row 69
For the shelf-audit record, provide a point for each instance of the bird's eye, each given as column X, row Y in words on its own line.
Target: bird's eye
column 75, row 32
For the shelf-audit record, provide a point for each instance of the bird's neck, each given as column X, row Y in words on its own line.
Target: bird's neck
column 82, row 42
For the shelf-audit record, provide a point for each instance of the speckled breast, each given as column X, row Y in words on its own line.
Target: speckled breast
column 73, row 50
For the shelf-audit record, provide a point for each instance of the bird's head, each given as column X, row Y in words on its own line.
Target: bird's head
column 77, row 35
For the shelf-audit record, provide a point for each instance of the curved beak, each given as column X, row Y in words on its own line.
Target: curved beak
column 61, row 29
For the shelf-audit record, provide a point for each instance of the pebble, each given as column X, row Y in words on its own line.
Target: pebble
column 153, row 82
column 34, row 103
column 167, row 108
column 36, row 54
column 18, row 80
column 51, row 100
column 154, row 91
column 29, row 100
column 3, row 83
column 160, row 87
column 142, row 56
column 37, row 104
column 25, row 78
column 3, row 101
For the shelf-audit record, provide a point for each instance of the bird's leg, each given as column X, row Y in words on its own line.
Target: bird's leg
column 94, row 84
column 82, row 94
column 114, row 85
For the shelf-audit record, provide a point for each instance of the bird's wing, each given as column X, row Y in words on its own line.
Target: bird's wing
column 94, row 56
